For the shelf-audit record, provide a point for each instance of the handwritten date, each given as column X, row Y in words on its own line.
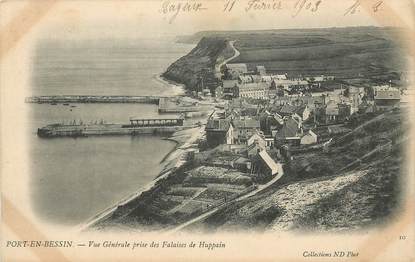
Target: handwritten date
column 303, row 5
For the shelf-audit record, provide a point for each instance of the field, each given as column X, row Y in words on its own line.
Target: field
column 355, row 55
column 344, row 53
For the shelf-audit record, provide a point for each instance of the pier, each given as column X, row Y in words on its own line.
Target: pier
column 93, row 99
column 166, row 104
column 137, row 126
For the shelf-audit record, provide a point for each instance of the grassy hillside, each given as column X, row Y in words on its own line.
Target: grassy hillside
column 357, row 183
column 359, row 55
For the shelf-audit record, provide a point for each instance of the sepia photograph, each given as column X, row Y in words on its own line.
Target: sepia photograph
column 155, row 121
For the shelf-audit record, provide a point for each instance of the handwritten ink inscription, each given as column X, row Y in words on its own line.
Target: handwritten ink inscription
column 255, row 5
column 173, row 8
column 304, row 5
column 355, row 7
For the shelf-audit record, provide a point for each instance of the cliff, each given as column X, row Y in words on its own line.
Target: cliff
column 356, row 55
column 200, row 62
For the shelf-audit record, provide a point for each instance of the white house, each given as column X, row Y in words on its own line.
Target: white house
column 309, row 138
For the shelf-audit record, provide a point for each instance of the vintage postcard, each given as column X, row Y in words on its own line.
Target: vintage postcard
column 207, row 130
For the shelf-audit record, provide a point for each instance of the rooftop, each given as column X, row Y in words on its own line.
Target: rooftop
column 238, row 67
column 247, row 123
column 218, row 124
column 391, row 93
column 289, row 129
column 260, row 85
column 229, row 83
column 269, row 162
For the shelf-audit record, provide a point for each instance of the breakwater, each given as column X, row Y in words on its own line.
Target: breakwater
column 93, row 99
column 60, row 130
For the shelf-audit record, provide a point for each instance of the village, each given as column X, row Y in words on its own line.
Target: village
column 261, row 124
column 267, row 117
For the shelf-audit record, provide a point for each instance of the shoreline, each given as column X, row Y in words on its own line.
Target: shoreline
column 177, row 89
column 171, row 151
column 169, row 162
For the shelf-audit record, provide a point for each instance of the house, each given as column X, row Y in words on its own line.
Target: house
column 244, row 79
column 367, row 107
column 230, row 88
column 233, row 148
column 336, row 112
column 266, row 78
column 290, row 133
column 386, row 97
column 319, row 78
column 253, row 90
column 253, row 150
column 297, row 85
column 235, row 70
column 287, row 110
column 267, row 164
column 288, row 84
column 311, row 101
column 219, row 131
column 309, row 138
column 255, row 144
column 282, row 100
column 356, row 95
column 304, row 112
column 275, row 92
column 260, row 70
column 244, row 129
column 344, row 111
column 270, row 122
column 249, row 110
column 280, row 77
column 331, row 112
column 269, row 142
column 257, row 138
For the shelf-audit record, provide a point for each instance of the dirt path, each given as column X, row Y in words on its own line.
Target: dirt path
column 218, row 66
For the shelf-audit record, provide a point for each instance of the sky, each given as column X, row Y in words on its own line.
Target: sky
column 144, row 18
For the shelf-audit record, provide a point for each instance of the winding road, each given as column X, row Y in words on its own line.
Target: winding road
column 218, row 74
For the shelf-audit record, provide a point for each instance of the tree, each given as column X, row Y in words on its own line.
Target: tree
column 273, row 85
column 346, row 92
column 280, row 91
column 370, row 93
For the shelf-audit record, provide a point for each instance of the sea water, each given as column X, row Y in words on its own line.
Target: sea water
column 73, row 179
